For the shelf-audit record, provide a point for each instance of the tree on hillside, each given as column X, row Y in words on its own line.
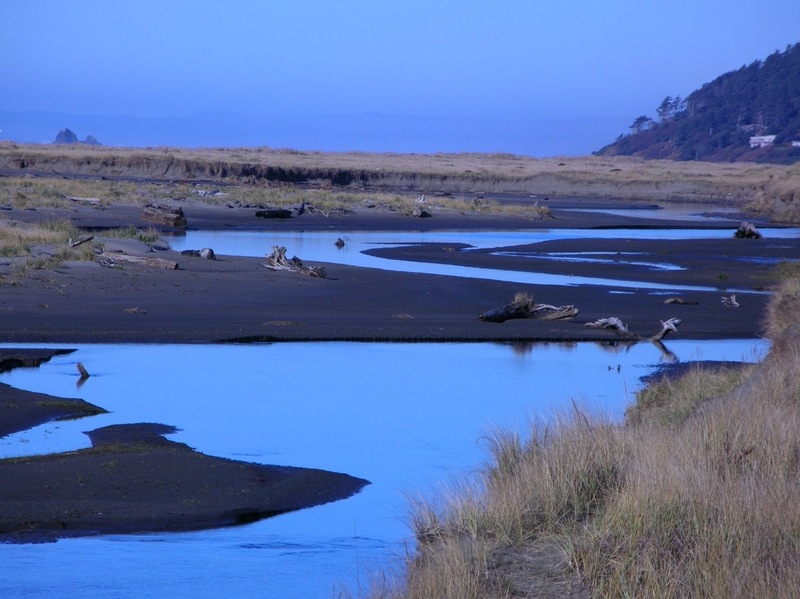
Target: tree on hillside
column 716, row 121
column 642, row 123
column 670, row 108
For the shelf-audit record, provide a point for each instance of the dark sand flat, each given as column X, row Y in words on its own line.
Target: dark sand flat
column 236, row 299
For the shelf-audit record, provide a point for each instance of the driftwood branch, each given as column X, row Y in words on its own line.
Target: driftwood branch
column 615, row 324
column 81, row 241
column 83, row 372
column 667, row 327
column 277, row 260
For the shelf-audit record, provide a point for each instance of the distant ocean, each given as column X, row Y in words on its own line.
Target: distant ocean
column 355, row 132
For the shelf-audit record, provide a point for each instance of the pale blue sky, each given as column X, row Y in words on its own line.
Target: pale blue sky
column 510, row 60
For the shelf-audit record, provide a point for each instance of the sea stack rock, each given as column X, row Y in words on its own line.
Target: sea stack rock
column 65, row 136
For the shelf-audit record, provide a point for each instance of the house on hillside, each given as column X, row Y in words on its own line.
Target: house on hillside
column 761, row 141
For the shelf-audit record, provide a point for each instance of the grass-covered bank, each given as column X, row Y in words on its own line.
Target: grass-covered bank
column 771, row 189
column 695, row 495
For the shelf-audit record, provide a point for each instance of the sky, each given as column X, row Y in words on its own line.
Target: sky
column 529, row 77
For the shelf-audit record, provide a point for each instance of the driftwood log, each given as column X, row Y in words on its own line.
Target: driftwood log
column 523, row 306
column 274, row 213
column 205, row 253
column 145, row 261
column 164, row 215
column 680, row 300
column 615, row 324
column 277, row 260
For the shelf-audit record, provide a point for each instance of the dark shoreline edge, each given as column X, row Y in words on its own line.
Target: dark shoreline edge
column 133, row 479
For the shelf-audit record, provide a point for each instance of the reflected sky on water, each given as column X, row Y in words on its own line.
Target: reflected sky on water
column 407, row 417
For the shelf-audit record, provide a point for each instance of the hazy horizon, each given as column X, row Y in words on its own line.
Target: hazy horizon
column 519, row 77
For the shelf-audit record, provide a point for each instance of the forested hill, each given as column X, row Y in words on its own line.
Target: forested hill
column 719, row 121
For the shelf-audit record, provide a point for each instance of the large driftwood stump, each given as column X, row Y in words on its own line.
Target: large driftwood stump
column 277, row 260
column 164, row 215
column 523, row 306
column 747, row 231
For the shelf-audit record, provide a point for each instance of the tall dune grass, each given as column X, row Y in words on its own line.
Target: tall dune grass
column 695, row 495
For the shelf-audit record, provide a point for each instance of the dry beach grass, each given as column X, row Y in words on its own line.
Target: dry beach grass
column 770, row 188
column 694, row 496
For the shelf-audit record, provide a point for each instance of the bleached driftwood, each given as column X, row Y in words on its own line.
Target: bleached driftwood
column 667, row 327
column 615, row 324
column 548, row 312
column 277, row 260
column 420, row 211
column 730, row 302
column 523, row 306
column 111, row 257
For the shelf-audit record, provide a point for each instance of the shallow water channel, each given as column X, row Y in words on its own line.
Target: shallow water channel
column 408, row 417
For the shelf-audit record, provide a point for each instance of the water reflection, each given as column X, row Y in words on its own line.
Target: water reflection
column 404, row 416
column 319, row 246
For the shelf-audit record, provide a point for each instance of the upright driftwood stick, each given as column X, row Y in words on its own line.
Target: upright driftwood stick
column 82, row 370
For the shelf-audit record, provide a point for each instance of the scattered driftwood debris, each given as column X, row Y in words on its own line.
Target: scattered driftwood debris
column 164, row 215
column 205, row 253
column 747, row 231
column 615, row 324
column 277, row 260
column 420, row 211
column 110, row 259
column 523, row 306
column 730, row 302
column 681, row 301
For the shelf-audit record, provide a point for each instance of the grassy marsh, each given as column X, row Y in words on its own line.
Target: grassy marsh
column 768, row 189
